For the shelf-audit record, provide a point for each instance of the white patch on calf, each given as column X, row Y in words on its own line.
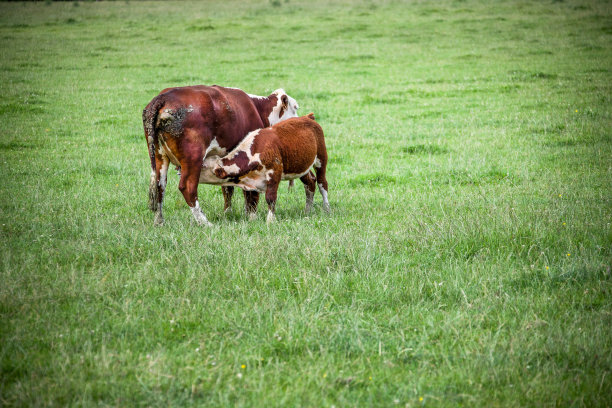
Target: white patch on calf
column 233, row 169
column 245, row 146
column 254, row 181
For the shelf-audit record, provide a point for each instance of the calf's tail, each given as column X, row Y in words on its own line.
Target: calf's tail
column 149, row 118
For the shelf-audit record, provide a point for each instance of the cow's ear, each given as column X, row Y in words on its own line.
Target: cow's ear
column 285, row 101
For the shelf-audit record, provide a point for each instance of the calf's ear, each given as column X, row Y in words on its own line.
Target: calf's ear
column 284, row 101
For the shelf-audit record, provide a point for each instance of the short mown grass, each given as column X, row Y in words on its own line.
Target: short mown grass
column 466, row 260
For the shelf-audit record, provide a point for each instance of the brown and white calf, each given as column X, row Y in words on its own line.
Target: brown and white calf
column 285, row 151
column 186, row 125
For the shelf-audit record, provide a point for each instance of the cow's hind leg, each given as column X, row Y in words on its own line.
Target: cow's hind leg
column 227, row 198
column 310, row 183
column 157, row 187
column 320, row 167
column 188, row 185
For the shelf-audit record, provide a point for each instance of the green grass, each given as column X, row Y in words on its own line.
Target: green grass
column 466, row 260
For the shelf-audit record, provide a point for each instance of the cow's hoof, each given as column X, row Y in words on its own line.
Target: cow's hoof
column 326, row 208
column 252, row 216
column 227, row 210
column 270, row 218
column 158, row 222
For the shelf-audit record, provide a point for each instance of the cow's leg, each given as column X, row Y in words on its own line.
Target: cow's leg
column 310, row 184
column 251, row 199
column 161, row 164
column 190, row 176
column 320, row 168
column 227, row 198
column 157, row 186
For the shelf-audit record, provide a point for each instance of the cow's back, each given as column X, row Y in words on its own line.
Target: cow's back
column 212, row 113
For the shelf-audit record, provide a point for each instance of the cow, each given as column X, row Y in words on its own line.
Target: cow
column 284, row 151
column 186, row 125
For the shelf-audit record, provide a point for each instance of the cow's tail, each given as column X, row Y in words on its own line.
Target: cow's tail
column 149, row 118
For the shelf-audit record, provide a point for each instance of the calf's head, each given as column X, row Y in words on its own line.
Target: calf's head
column 286, row 107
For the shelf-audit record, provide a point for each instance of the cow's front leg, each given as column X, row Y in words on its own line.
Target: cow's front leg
column 227, row 198
column 188, row 185
column 251, row 198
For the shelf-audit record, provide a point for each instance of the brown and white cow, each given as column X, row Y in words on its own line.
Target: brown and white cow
column 285, row 151
column 185, row 125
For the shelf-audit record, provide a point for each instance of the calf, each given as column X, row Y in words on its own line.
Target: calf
column 285, row 151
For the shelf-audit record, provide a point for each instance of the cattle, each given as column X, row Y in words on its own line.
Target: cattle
column 285, row 151
column 186, row 125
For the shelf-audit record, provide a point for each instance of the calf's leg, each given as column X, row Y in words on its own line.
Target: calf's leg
column 310, row 183
column 322, row 181
column 271, row 193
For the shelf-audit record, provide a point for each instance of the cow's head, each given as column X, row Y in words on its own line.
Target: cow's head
column 286, row 107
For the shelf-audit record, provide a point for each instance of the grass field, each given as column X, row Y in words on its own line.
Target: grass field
column 466, row 260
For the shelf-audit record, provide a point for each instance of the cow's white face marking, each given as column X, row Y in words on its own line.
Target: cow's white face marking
column 199, row 216
column 290, row 112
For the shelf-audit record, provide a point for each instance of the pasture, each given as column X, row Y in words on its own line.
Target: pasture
column 466, row 260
